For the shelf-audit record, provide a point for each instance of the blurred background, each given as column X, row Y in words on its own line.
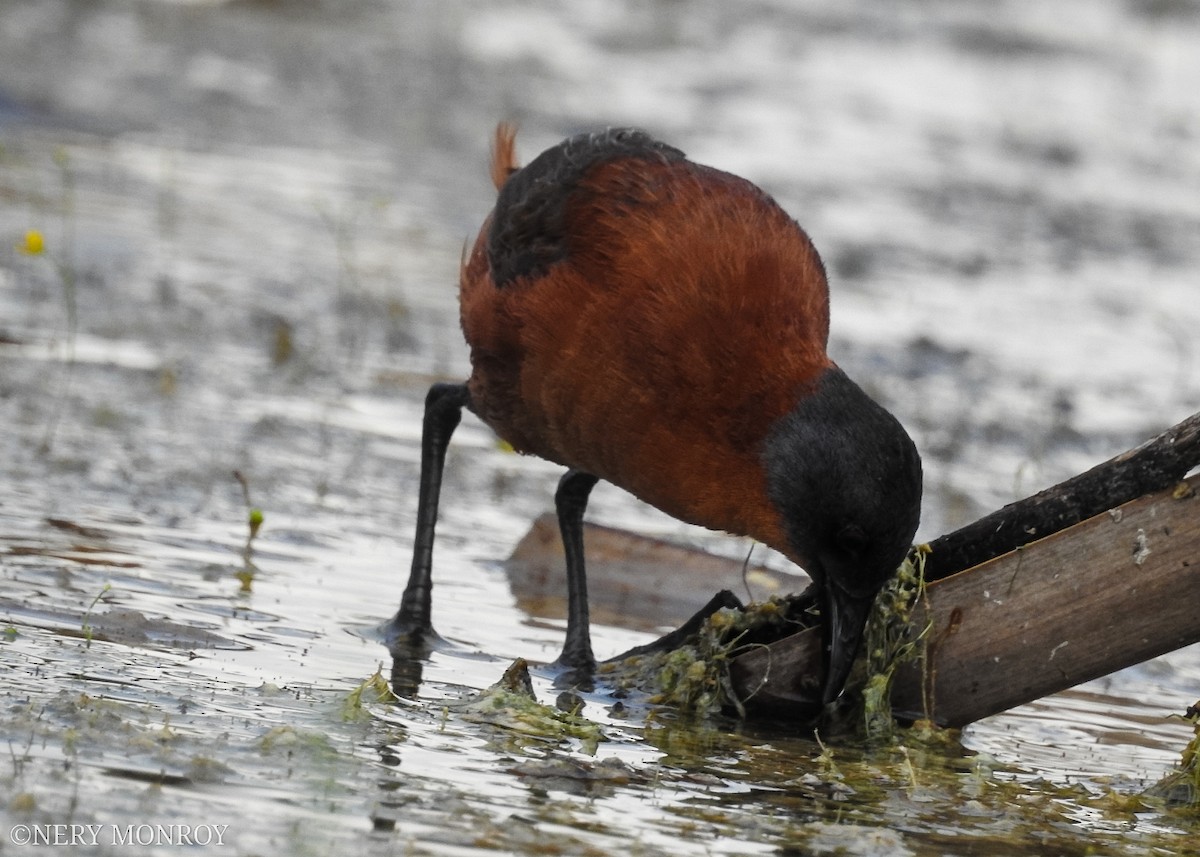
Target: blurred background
column 1006, row 198
column 253, row 214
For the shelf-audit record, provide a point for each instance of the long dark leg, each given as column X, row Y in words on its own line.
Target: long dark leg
column 570, row 501
column 443, row 409
column 679, row 636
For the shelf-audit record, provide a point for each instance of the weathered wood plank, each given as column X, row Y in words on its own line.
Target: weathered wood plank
column 633, row 581
column 1113, row 591
column 1118, row 589
column 1155, row 465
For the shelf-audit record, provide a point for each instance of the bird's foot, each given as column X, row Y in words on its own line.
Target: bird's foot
column 406, row 637
column 691, row 627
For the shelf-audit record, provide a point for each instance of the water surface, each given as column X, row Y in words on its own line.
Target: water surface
column 254, row 215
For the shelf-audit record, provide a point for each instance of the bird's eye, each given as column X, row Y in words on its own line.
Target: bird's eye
column 852, row 540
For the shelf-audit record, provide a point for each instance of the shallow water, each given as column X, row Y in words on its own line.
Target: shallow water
column 255, row 213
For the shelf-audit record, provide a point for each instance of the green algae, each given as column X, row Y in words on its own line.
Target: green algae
column 512, row 706
column 1181, row 788
column 374, row 689
column 692, row 679
column 289, row 740
column 889, row 640
column 878, row 777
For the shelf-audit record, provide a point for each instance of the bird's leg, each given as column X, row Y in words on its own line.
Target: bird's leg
column 674, row 639
column 443, row 409
column 570, row 501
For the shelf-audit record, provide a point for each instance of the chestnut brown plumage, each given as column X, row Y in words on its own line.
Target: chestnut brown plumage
column 662, row 325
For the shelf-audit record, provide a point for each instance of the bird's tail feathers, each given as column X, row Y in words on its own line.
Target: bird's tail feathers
column 504, row 153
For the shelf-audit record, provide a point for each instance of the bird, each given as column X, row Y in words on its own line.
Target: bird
column 662, row 325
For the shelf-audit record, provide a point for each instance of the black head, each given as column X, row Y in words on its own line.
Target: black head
column 846, row 478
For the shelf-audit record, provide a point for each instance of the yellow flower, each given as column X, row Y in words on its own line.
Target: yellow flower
column 34, row 243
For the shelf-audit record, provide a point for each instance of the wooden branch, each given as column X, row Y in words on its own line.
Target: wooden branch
column 1113, row 591
column 1154, row 465
column 1103, row 595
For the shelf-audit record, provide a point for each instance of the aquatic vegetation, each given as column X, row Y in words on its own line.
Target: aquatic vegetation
column 374, row 689
column 692, row 679
column 1181, row 788
column 511, row 705
column 1191, row 754
column 86, row 624
column 890, row 641
column 254, row 521
column 34, row 243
